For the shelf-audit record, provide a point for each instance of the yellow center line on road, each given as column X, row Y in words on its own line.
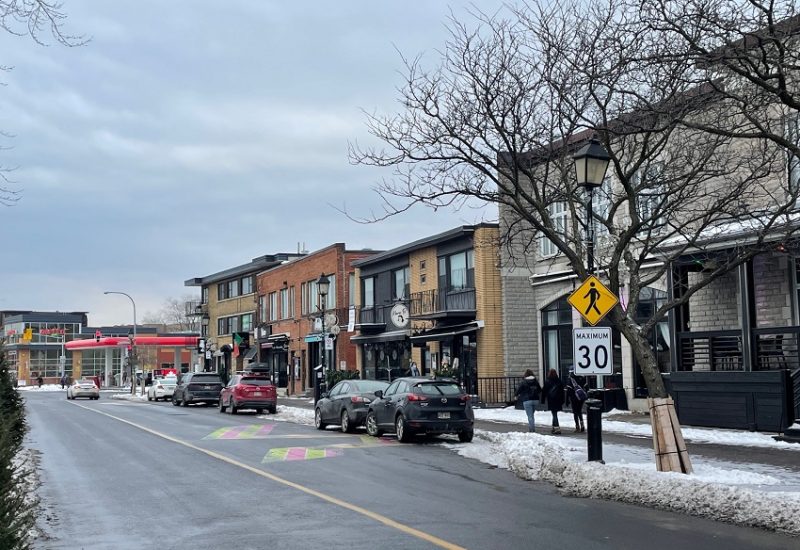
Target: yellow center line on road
column 327, row 498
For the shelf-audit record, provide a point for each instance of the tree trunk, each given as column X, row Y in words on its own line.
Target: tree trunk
column 644, row 356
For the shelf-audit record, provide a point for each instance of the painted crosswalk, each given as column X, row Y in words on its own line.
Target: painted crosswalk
column 249, row 431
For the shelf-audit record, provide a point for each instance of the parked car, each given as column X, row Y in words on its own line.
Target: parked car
column 347, row 404
column 162, row 388
column 197, row 387
column 249, row 391
column 418, row 405
column 84, row 387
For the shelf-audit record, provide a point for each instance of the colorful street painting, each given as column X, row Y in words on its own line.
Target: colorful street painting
column 250, row 431
column 300, row 453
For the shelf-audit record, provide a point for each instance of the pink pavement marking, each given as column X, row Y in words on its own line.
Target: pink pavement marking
column 233, row 433
column 296, row 453
column 264, row 430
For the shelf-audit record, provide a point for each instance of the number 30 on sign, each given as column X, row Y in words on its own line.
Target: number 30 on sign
column 593, row 350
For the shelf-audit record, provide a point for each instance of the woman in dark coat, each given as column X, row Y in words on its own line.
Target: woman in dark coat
column 576, row 395
column 553, row 394
column 528, row 392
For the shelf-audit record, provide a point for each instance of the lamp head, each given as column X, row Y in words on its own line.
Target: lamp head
column 591, row 163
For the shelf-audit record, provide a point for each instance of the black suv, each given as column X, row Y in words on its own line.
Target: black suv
column 418, row 405
column 197, row 387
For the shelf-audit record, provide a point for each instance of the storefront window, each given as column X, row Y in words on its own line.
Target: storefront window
column 557, row 337
column 386, row 360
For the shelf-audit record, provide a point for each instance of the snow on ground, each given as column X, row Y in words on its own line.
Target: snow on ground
column 45, row 387
column 718, row 492
column 717, row 436
column 128, row 397
column 292, row 414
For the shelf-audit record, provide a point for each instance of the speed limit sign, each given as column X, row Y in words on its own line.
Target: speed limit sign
column 593, row 350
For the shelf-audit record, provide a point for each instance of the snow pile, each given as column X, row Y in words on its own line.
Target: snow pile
column 536, row 457
column 45, row 387
column 292, row 414
column 128, row 397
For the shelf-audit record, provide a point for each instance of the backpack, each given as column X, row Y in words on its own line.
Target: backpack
column 580, row 393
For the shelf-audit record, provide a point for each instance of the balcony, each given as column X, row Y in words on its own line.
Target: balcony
column 439, row 304
column 195, row 309
column 372, row 316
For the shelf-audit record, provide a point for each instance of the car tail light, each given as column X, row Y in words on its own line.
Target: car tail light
column 359, row 399
column 416, row 397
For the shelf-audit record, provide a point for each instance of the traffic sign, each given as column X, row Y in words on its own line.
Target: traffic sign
column 593, row 300
column 594, row 353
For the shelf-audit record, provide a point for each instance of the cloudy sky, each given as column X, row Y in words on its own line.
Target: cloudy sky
column 191, row 136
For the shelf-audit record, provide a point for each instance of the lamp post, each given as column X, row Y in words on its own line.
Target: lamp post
column 591, row 163
column 323, row 286
column 133, row 342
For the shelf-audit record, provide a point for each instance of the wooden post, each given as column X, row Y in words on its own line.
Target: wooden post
column 668, row 443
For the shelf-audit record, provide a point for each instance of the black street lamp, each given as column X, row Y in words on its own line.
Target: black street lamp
column 591, row 163
column 323, row 286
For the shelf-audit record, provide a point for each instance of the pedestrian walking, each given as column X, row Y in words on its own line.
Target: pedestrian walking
column 40, row 381
column 576, row 395
column 528, row 393
column 63, row 381
column 553, row 394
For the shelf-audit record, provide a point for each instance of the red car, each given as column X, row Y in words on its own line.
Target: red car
column 249, row 391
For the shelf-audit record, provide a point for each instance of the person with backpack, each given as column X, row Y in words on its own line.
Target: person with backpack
column 576, row 395
column 553, row 394
column 527, row 393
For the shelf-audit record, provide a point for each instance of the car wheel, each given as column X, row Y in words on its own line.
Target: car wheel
column 318, row 423
column 221, row 406
column 273, row 409
column 403, row 433
column 347, row 426
column 372, row 425
column 175, row 401
column 149, row 398
column 466, row 436
column 259, row 411
column 185, row 402
column 233, row 408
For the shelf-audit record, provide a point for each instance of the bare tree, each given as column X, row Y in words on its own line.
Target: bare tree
column 517, row 92
column 174, row 316
column 34, row 18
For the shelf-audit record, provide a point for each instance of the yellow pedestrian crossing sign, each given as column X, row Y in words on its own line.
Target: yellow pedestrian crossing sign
column 593, row 300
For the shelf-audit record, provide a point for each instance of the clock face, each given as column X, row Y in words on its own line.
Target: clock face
column 400, row 315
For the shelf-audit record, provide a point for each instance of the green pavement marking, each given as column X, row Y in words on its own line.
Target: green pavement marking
column 299, row 453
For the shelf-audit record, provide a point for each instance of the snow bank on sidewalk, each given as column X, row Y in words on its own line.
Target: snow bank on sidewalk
column 538, row 457
column 716, row 436
column 128, row 397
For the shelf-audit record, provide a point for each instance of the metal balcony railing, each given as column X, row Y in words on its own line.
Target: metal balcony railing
column 435, row 301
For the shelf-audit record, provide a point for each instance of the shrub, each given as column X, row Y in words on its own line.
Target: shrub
column 335, row 376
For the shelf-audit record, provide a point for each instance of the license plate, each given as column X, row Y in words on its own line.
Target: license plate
column 206, row 387
column 257, row 394
column 443, row 416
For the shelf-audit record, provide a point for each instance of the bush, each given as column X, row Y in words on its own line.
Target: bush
column 335, row 376
column 17, row 507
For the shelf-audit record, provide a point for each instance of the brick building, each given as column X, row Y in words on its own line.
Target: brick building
column 289, row 336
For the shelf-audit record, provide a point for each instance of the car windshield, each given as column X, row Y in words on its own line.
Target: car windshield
column 256, row 381
column 439, row 389
column 164, row 382
column 90, row 382
column 370, row 385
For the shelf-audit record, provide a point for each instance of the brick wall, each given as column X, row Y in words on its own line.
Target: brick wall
column 520, row 323
column 489, row 302
column 715, row 307
column 773, row 292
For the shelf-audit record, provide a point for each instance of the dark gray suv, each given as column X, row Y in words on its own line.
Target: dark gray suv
column 197, row 387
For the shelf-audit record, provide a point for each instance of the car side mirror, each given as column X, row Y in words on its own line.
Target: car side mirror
column 379, row 394
column 324, row 394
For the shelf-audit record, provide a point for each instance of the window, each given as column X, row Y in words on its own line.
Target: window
column 204, row 295
column 422, row 264
column 262, row 308
column 233, row 324
column 233, row 288
column 303, row 298
column 222, row 291
column 246, row 322
column 422, row 278
column 273, row 306
column 247, row 285
column 290, row 311
column 351, row 289
column 368, row 292
column 457, row 271
column 558, row 213
column 793, row 135
column 330, row 299
column 557, row 337
column 284, row 303
column 400, row 283
column 649, row 187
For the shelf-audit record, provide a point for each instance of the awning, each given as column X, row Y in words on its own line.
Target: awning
column 251, row 353
column 392, row 336
column 447, row 332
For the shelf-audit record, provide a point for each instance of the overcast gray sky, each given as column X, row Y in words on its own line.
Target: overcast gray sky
column 191, row 136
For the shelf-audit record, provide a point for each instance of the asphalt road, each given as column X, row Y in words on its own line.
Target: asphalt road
column 120, row 475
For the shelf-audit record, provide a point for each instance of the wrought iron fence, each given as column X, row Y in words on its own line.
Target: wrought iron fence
column 438, row 301
column 497, row 391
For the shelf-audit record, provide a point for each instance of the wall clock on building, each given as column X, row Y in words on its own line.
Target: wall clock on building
column 399, row 315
